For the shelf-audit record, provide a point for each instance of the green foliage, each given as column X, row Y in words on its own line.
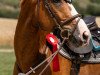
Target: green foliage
column 93, row 9
column 13, row 3
column 9, row 8
column 95, row 1
column 6, row 63
column 88, row 7
column 9, row 13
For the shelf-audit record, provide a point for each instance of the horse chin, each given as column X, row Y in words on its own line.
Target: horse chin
column 78, row 46
column 75, row 41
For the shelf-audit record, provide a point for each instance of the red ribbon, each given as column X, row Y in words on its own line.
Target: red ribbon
column 52, row 40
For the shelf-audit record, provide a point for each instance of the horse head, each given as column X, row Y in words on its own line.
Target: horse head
column 62, row 14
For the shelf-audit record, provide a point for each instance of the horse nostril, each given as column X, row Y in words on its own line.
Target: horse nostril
column 85, row 35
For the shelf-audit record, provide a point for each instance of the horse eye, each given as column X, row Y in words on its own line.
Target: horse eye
column 56, row 1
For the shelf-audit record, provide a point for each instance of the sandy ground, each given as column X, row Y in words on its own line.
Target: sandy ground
column 7, row 30
column 6, row 51
column 98, row 21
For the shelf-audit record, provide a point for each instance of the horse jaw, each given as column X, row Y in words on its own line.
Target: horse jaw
column 81, row 27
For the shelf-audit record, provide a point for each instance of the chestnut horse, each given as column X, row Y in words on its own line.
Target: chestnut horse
column 36, row 20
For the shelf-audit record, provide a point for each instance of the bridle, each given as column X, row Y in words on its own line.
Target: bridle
column 58, row 25
column 65, row 22
column 53, row 16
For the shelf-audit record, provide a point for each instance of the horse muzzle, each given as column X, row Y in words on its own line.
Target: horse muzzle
column 80, row 44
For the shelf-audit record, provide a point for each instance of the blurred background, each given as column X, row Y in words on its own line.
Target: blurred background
column 9, row 11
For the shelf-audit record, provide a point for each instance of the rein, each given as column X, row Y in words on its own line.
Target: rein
column 50, row 59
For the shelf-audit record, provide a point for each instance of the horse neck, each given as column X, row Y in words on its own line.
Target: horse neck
column 29, row 42
column 28, row 39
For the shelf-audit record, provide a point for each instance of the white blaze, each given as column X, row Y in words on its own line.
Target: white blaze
column 81, row 27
